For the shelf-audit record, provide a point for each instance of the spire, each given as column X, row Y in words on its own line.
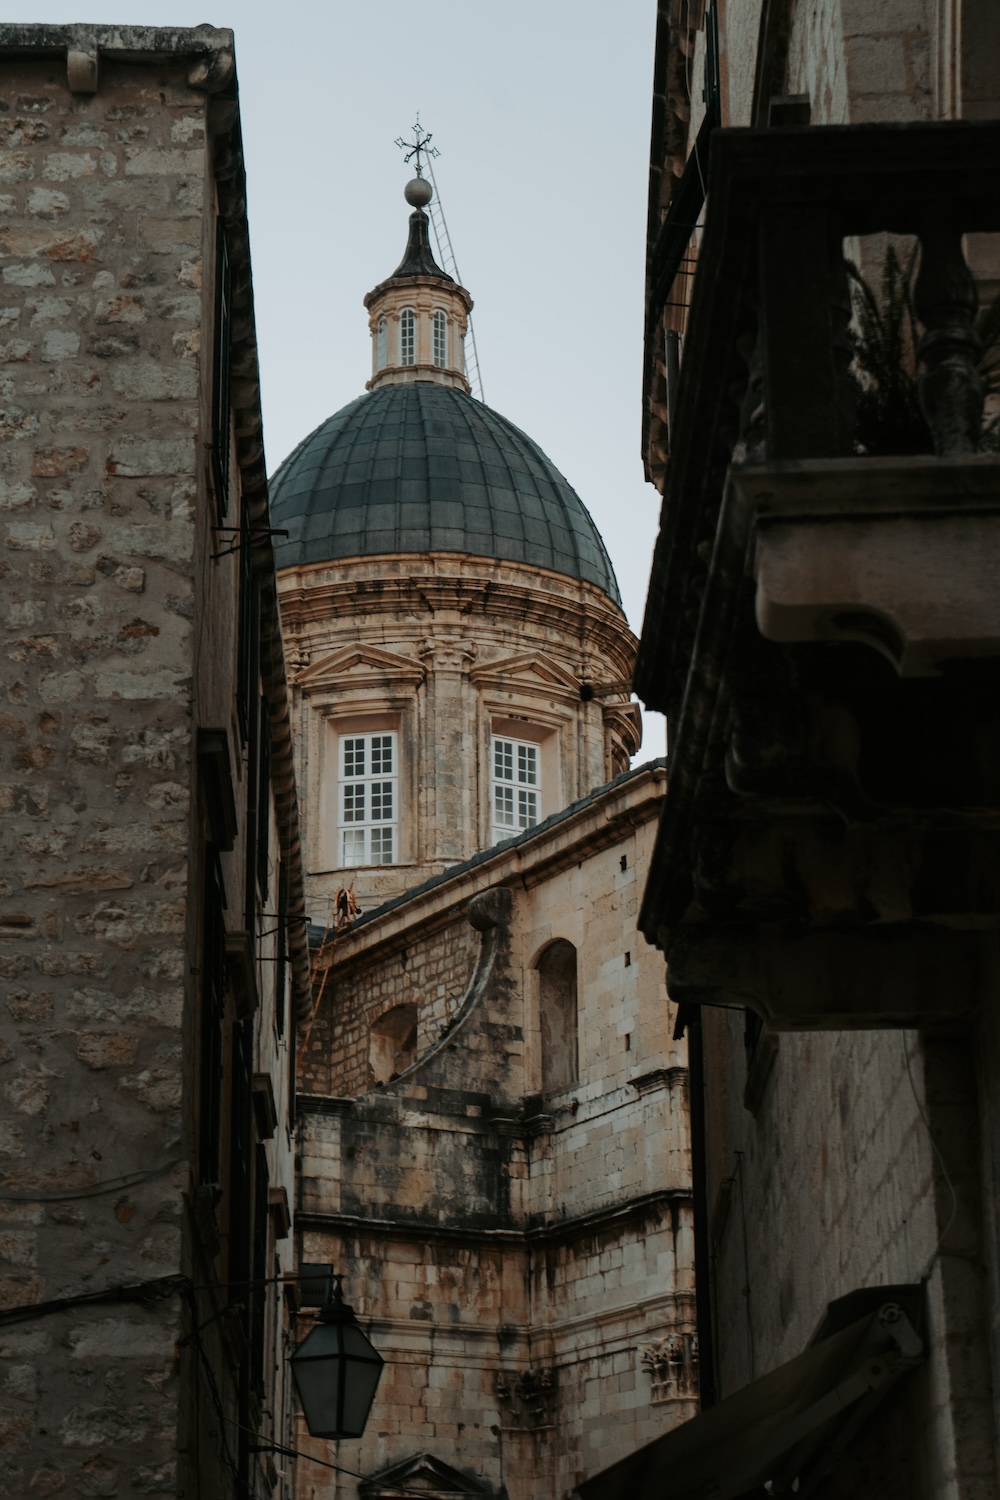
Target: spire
column 419, row 315
column 418, row 258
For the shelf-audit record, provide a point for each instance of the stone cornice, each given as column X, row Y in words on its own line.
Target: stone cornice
column 408, row 284
column 462, row 586
column 557, row 1232
column 208, row 50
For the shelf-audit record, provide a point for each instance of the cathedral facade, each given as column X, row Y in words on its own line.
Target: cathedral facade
column 493, row 1111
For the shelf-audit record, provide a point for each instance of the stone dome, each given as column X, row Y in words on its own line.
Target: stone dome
column 423, row 467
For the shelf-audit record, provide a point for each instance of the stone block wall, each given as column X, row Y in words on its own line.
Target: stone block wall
column 118, row 644
column 489, row 1374
column 851, row 1205
column 431, row 972
column 102, row 316
column 525, row 1258
column 860, row 1167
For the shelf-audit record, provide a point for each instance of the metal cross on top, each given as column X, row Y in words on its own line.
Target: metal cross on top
column 420, row 145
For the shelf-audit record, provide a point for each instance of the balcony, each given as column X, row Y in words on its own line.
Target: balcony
column 823, row 626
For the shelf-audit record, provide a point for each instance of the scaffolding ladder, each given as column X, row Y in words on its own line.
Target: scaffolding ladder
column 446, row 257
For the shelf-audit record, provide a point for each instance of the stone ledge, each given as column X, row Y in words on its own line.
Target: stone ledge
column 898, row 554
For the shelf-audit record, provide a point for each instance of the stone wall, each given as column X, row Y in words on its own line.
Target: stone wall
column 102, row 317
column 837, row 1164
column 118, row 646
column 862, row 63
column 430, row 972
column 523, row 1257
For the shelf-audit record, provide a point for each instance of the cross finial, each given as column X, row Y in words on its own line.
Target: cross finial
column 419, row 146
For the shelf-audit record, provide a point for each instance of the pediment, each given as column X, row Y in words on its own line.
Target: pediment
column 423, row 1474
column 531, row 672
column 361, row 666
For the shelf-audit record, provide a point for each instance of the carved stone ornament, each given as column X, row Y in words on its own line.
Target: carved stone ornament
column 527, row 1398
column 672, row 1363
column 299, row 654
column 448, row 656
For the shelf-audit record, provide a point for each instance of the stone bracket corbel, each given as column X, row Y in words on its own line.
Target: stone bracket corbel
column 82, row 65
column 899, row 554
column 908, row 974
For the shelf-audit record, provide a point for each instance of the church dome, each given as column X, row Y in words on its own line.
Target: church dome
column 424, row 467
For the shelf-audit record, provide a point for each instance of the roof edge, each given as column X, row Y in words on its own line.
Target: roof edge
column 640, row 790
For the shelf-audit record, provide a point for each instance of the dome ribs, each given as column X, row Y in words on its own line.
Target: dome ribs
column 416, row 468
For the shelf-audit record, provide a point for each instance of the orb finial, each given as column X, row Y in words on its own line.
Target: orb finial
column 418, row 192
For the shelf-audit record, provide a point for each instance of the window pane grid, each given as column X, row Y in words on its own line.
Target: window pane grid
column 440, row 328
column 516, row 783
column 367, row 800
column 503, row 760
column 407, row 337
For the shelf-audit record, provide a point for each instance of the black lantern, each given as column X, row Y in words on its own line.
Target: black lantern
column 336, row 1371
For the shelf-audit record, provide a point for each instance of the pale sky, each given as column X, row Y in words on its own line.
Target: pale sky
column 541, row 111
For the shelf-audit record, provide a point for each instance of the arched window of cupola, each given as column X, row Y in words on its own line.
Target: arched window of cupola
column 407, row 337
column 439, row 330
column 380, row 344
column 557, row 1007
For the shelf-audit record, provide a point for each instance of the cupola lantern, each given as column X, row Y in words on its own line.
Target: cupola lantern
column 419, row 315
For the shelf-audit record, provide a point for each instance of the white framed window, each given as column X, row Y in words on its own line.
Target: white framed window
column 369, row 800
column 439, row 341
column 515, row 786
column 407, row 337
column 380, row 343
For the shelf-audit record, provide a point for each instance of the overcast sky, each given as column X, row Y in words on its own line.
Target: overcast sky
column 541, row 111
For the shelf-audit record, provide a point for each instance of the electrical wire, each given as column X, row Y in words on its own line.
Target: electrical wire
column 213, row 1387
column 97, row 1189
column 136, row 1291
column 128, row 1291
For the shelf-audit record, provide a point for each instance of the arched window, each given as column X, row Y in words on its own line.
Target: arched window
column 407, row 337
column 557, row 1015
column 380, row 344
column 393, row 1043
column 439, row 325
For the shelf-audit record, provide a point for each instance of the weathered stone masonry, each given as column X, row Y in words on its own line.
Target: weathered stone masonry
column 119, row 646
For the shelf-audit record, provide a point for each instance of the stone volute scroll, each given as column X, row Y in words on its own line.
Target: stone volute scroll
column 489, row 913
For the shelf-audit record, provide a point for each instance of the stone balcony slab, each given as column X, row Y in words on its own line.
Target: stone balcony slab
column 900, row 554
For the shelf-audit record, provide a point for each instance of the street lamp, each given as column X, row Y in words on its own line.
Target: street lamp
column 336, row 1370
